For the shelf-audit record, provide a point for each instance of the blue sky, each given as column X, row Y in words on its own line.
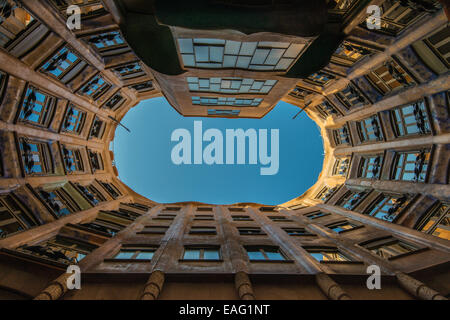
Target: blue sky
column 143, row 158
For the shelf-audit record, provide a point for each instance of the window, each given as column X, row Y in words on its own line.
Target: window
column 36, row 157
column 321, row 78
column 236, row 209
column 397, row 15
column 111, row 189
column 98, row 128
column 230, row 85
column 221, row 112
column 300, row 93
column 104, row 227
column 241, row 218
column 328, row 255
column 96, row 160
column 222, row 101
column 122, row 213
column 204, row 217
column 169, row 209
column 279, row 218
column 61, row 249
column 115, row 102
column 341, row 136
column 91, row 194
column 95, row 88
column 72, row 159
column 204, row 209
column 88, row 7
column 256, row 56
column 297, row 207
column 326, row 193
column 370, row 167
column 59, row 201
column 352, row 199
column 135, row 253
column 342, row 226
column 37, row 107
column 136, row 205
column 13, row 216
column 106, row 41
column 351, row 97
column 340, row 167
column 142, row 87
column 411, row 119
column 202, row 253
column 129, row 71
column 297, row 232
column 268, row 209
column 326, row 109
column 74, row 120
column 389, row 248
column 316, row 215
column 165, row 216
column 207, row 230
column 369, row 129
column 389, row 77
column 249, row 231
column 13, row 21
column 434, row 50
column 387, row 207
column 265, row 253
column 348, row 53
column 60, row 63
column 154, row 230
column 437, row 222
column 411, row 166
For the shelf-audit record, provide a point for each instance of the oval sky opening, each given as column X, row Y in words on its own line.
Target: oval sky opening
column 143, row 157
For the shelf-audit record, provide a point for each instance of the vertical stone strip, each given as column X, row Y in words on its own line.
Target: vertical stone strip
column 330, row 288
column 154, row 286
column 417, row 288
column 56, row 289
column 244, row 286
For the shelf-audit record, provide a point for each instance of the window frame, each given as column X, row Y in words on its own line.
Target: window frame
column 429, row 215
column 202, row 249
column 262, row 250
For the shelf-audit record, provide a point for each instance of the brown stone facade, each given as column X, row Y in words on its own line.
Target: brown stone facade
column 383, row 197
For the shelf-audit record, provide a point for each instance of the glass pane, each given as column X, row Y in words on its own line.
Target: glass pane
column 255, row 255
column 211, row 254
column 146, row 255
column 192, row 254
column 124, row 255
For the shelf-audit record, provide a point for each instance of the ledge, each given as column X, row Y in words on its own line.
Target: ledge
column 127, row 260
column 204, row 260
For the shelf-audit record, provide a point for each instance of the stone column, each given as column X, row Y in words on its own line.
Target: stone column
column 417, row 288
column 56, row 289
column 154, row 286
column 330, row 288
column 244, row 286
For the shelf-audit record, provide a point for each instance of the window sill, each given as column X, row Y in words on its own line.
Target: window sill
column 408, row 253
column 342, row 262
column 150, row 232
column 348, row 230
column 128, row 260
column 204, row 260
column 272, row 261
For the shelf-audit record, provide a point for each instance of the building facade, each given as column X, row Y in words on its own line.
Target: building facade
column 381, row 101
